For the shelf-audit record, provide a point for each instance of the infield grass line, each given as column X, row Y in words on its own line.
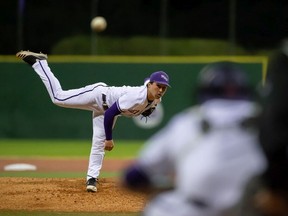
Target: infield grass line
column 36, row 174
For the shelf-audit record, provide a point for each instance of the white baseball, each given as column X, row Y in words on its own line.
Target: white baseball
column 98, row 24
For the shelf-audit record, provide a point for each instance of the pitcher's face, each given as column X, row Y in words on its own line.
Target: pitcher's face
column 156, row 90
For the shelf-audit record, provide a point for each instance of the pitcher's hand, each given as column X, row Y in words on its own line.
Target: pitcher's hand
column 109, row 145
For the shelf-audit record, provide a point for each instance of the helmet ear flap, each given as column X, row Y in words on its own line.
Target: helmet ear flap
column 223, row 80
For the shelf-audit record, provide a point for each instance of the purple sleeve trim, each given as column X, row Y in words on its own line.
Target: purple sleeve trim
column 108, row 120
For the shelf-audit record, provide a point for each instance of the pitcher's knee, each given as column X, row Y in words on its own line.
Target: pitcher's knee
column 57, row 102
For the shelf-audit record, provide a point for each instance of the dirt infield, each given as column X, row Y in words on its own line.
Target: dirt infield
column 67, row 194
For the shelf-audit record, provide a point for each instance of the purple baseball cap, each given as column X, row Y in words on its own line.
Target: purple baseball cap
column 160, row 77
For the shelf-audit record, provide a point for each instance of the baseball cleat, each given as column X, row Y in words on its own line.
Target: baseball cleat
column 91, row 185
column 31, row 57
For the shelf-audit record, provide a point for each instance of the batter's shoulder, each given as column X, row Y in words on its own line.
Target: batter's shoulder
column 189, row 116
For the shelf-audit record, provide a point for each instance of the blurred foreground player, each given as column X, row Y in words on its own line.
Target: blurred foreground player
column 273, row 199
column 207, row 154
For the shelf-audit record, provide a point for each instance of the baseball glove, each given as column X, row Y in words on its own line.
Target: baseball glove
column 148, row 112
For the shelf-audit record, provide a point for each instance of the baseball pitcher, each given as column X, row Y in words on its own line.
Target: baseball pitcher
column 106, row 103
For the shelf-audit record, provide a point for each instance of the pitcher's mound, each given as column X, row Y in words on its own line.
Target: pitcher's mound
column 67, row 195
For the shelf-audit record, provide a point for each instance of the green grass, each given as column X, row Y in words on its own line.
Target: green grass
column 63, row 148
column 72, row 149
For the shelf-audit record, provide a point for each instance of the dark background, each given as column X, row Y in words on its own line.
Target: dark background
column 258, row 24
